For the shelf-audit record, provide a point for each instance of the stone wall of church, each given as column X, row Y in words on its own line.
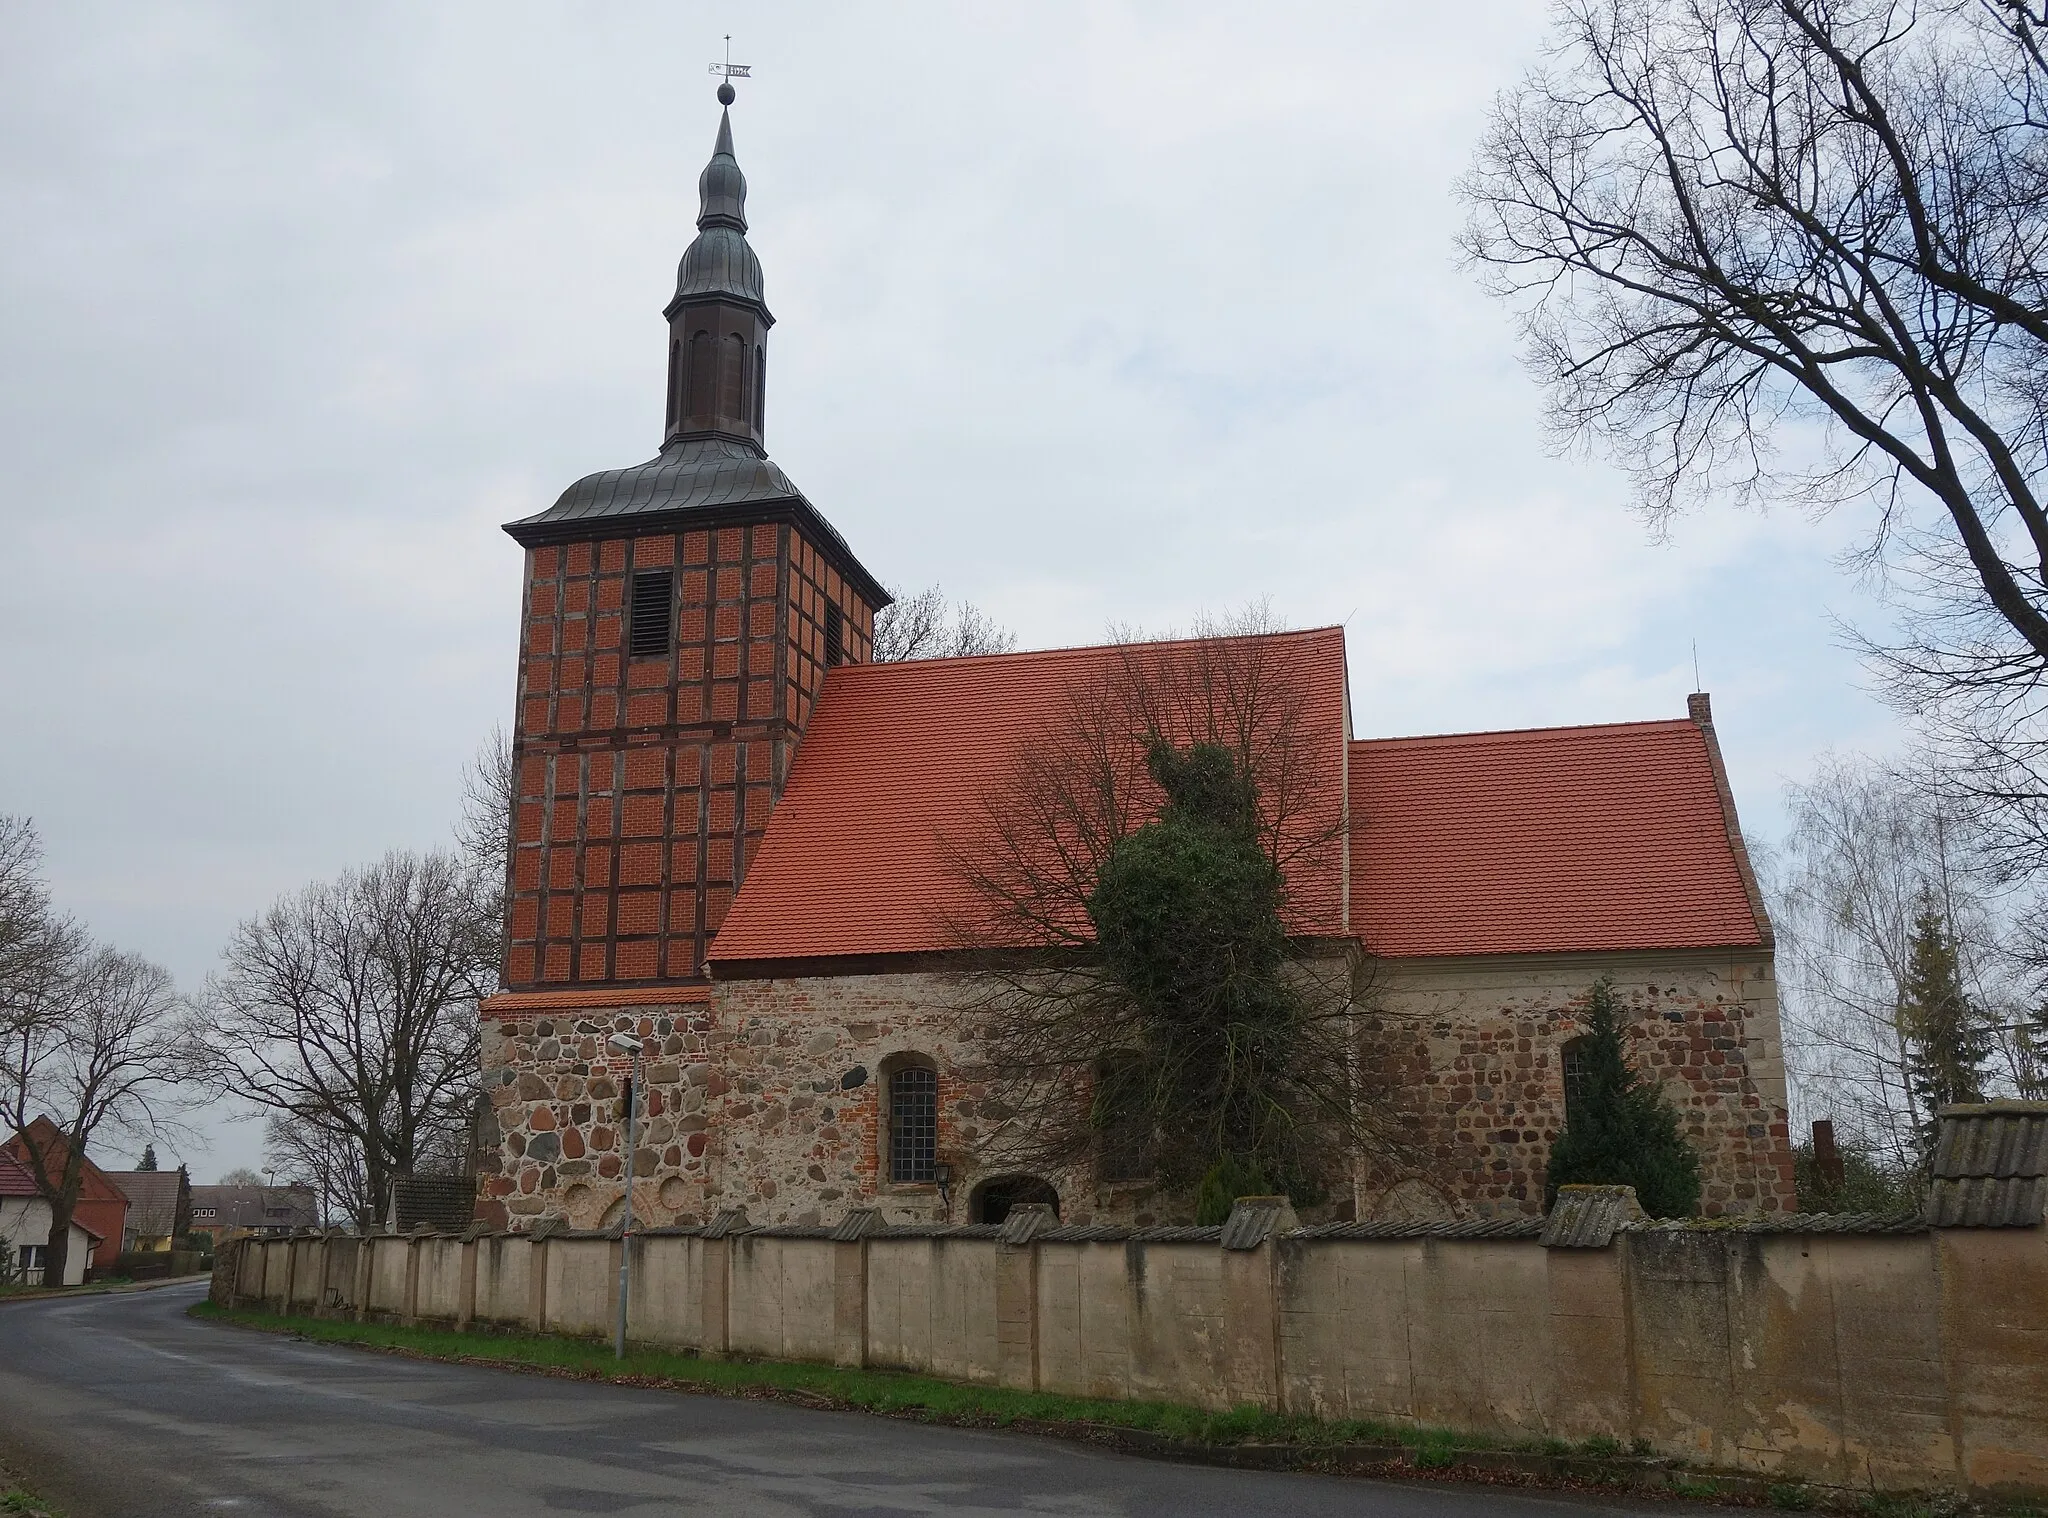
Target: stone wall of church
column 771, row 1096
column 1480, row 1039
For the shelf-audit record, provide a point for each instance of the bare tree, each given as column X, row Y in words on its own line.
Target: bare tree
column 110, row 1057
column 242, row 1175
column 304, row 1153
column 927, row 626
column 1872, row 847
column 1077, row 1073
column 39, row 947
column 490, row 787
column 350, row 1009
column 1800, row 248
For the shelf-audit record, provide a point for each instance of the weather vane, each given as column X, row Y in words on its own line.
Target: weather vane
column 729, row 69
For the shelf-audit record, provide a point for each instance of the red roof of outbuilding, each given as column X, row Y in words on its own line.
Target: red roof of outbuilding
column 1566, row 838
column 894, row 766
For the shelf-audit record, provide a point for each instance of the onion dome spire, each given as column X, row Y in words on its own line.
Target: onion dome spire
column 719, row 319
column 722, row 188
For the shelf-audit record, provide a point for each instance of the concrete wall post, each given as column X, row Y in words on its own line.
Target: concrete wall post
column 537, row 1278
column 850, row 1286
column 365, row 1263
column 1252, row 1368
column 1017, row 1358
column 716, row 1303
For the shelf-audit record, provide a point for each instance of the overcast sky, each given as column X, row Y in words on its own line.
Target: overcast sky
column 1090, row 314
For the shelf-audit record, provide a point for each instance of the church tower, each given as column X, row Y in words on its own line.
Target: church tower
column 679, row 617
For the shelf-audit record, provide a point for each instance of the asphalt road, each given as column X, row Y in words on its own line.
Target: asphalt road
column 120, row 1405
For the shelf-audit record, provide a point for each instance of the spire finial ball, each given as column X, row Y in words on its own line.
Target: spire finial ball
column 725, row 95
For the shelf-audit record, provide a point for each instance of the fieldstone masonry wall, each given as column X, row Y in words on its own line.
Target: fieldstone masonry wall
column 1858, row 1352
column 769, row 1093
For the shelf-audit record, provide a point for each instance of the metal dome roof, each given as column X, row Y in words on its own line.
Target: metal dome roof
column 719, row 262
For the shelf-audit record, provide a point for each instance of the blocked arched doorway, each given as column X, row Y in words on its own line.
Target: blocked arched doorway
column 992, row 1200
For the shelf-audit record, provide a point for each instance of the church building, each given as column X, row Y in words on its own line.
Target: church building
column 738, row 838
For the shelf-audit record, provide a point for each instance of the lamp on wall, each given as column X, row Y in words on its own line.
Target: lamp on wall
column 627, row 1045
column 943, row 1174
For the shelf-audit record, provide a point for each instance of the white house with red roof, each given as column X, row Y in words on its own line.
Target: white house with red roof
column 741, row 841
column 25, row 1231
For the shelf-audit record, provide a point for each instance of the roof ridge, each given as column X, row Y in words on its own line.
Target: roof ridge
column 1088, row 648
column 1525, row 732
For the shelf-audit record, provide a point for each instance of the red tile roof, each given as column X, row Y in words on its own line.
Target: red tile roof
column 1552, row 840
column 1569, row 838
column 894, row 767
column 15, row 1178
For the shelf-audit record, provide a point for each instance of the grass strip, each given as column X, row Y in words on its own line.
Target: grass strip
column 894, row 1393
column 17, row 1501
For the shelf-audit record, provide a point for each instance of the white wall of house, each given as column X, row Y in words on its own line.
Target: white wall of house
column 25, row 1229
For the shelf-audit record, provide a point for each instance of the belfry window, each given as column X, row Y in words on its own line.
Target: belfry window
column 653, row 608
column 760, row 385
column 732, row 400
column 913, row 1124
column 835, row 637
column 703, row 362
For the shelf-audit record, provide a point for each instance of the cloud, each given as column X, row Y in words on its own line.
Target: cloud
column 1092, row 313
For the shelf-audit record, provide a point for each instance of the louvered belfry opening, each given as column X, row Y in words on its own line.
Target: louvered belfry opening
column 835, row 637
column 653, row 613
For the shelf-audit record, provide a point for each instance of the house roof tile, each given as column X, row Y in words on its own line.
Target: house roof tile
column 15, row 1178
column 1544, row 841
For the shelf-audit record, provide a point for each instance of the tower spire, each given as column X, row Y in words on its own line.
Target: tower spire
column 719, row 319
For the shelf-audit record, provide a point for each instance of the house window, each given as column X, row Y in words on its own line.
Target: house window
column 30, row 1264
column 835, row 636
column 913, row 1124
column 1575, row 1058
column 653, row 601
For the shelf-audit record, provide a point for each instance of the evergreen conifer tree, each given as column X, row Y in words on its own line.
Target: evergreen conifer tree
column 1620, row 1131
column 148, row 1160
column 1946, row 1047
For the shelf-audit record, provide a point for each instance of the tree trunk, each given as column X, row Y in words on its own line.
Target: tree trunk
column 57, row 1250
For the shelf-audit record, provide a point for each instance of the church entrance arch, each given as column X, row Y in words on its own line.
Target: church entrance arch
column 991, row 1201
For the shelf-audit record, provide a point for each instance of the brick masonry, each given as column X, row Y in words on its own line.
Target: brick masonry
column 769, row 1094
column 645, row 784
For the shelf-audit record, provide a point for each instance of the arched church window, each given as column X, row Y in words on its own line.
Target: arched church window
column 760, row 385
column 913, row 1124
column 1575, row 1059
column 703, row 357
column 733, row 377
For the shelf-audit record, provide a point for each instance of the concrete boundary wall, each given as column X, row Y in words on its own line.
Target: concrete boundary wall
column 1867, row 1353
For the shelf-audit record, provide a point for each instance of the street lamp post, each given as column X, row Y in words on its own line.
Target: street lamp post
column 627, row 1044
